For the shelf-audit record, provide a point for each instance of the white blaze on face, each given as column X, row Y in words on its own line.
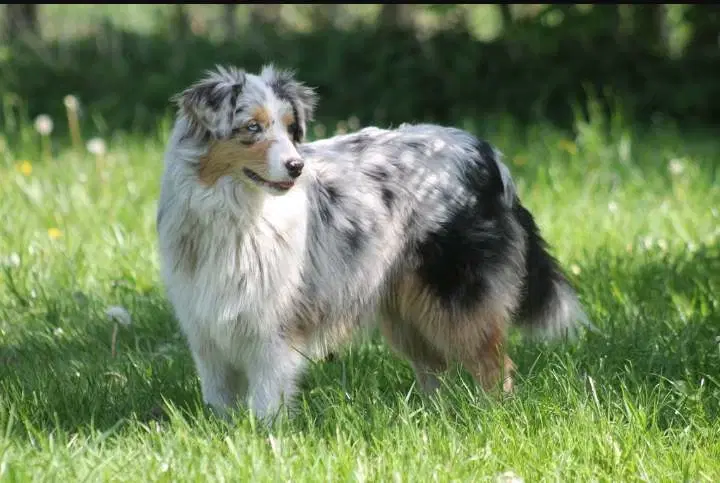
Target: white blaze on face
column 281, row 148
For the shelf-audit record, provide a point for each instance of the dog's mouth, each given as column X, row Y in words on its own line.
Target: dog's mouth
column 274, row 185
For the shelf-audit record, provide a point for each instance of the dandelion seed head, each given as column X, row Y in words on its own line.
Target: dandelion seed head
column 319, row 131
column 44, row 124
column 676, row 166
column 119, row 315
column 71, row 102
column 341, row 128
column 508, row 477
column 353, row 123
column 13, row 260
column 97, row 146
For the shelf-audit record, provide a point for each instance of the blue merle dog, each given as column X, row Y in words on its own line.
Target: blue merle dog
column 274, row 250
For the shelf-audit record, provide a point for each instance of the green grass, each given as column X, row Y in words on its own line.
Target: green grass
column 634, row 216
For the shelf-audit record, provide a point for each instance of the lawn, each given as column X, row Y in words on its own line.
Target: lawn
column 633, row 214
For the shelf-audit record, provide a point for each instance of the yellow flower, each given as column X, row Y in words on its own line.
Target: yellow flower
column 520, row 160
column 568, row 146
column 24, row 167
column 54, row 233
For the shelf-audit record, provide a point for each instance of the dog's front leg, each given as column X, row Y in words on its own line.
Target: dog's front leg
column 272, row 378
column 223, row 385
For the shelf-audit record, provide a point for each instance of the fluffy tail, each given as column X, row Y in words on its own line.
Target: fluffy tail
column 549, row 305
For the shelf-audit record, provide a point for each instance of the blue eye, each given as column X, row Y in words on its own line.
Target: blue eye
column 253, row 126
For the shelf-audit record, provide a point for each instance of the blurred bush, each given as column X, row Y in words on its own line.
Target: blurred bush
column 544, row 60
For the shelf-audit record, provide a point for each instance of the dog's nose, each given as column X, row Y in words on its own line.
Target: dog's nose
column 294, row 167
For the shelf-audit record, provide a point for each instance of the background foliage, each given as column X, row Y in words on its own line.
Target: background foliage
column 383, row 64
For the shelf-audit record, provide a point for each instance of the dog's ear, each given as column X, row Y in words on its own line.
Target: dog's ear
column 302, row 98
column 209, row 104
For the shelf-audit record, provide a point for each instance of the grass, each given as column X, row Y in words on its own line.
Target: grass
column 634, row 216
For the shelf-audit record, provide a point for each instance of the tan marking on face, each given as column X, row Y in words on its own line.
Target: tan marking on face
column 288, row 119
column 228, row 157
column 262, row 116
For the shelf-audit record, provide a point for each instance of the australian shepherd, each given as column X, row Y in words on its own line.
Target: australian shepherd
column 273, row 250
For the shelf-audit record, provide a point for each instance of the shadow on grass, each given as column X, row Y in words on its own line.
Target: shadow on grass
column 659, row 315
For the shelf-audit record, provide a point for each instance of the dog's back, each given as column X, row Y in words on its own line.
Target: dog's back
column 472, row 259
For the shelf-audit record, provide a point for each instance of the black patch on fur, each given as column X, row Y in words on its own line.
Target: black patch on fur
column 297, row 133
column 458, row 260
column 282, row 92
column 327, row 196
column 388, row 198
column 214, row 96
column 542, row 270
column 358, row 142
column 280, row 89
column 415, row 145
column 354, row 236
column 377, row 173
column 236, row 90
column 381, row 175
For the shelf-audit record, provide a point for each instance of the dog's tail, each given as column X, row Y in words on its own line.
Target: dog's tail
column 549, row 305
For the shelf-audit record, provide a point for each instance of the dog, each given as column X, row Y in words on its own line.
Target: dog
column 274, row 250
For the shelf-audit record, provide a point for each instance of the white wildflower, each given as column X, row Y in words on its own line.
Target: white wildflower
column 508, row 477
column 71, row 103
column 648, row 242
column 662, row 244
column 612, row 207
column 44, row 124
column 97, row 146
column 119, row 315
column 575, row 269
column 341, row 128
column 319, row 131
column 676, row 166
column 58, row 332
column 13, row 260
column 353, row 123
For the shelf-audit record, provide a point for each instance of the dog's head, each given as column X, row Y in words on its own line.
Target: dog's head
column 251, row 124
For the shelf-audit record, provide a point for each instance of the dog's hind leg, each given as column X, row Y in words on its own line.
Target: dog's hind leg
column 482, row 353
column 427, row 361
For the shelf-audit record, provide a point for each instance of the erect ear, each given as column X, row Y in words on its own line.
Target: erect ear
column 209, row 104
column 302, row 98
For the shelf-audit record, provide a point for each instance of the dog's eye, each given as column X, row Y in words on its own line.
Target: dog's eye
column 253, row 127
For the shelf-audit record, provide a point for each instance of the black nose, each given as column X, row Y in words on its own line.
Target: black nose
column 294, row 167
